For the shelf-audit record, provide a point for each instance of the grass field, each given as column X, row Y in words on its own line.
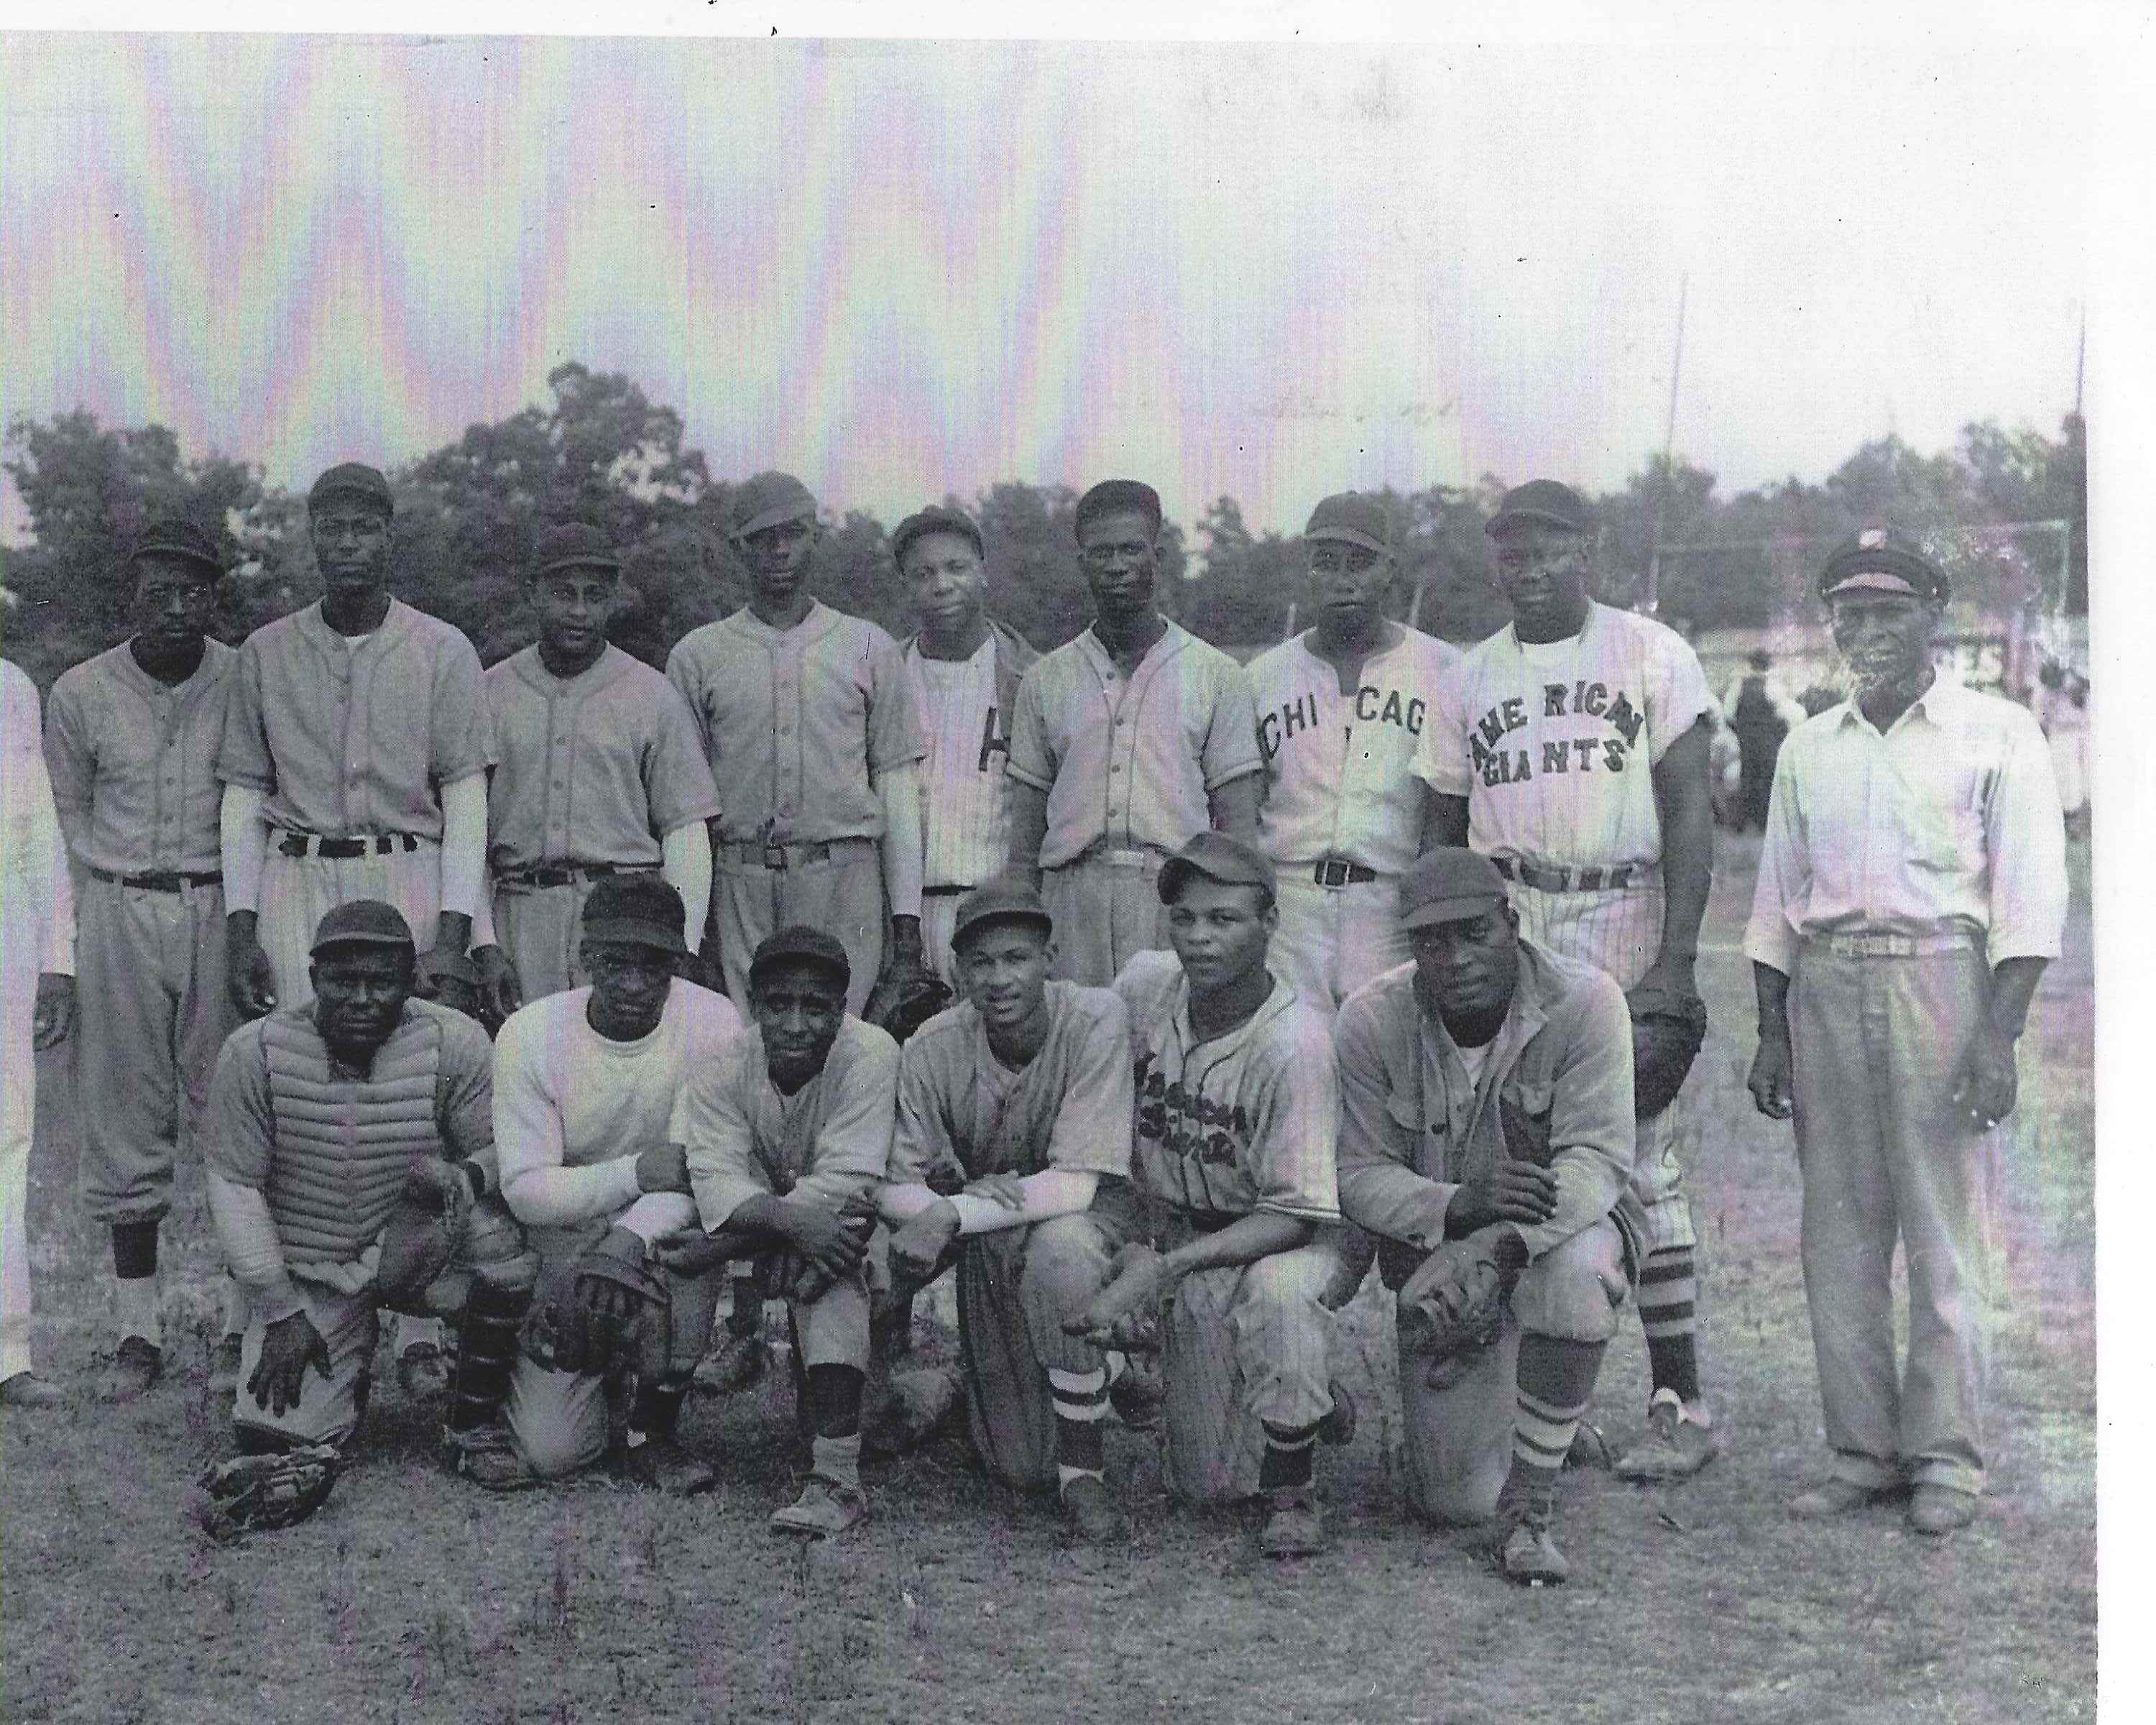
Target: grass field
column 414, row 1597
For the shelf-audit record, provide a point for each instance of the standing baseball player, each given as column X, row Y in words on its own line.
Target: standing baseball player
column 1913, row 886
column 1023, row 1091
column 131, row 739
column 37, row 1004
column 965, row 667
column 1236, row 1106
column 601, row 773
column 354, row 765
column 1127, row 740
column 1486, row 1129
column 1572, row 749
column 1340, row 711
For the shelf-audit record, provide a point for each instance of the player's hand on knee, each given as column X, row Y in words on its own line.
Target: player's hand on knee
column 1008, row 1190
column 1125, row 1312
column 499, row 993
column 1511, row 1191
column 831, row 1242
column 251, row 979
column 439, row 1187
column 1770, row 1079
column 691, row 1252
column 918, row 1246
column 288, row 1347
column 662, row 1168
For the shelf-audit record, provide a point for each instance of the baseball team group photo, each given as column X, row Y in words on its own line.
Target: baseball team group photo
column 630, row 1093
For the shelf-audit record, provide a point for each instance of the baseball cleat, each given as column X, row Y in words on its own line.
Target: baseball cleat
column 665, row 1464
column 224, row 1369
column 137, row 1366
column 1136, row 1397
column 1589, row 1449
column 1940, row 1510
column 1090, row 1512
column 1527, row 1555
column 734, row 1365
column 824, row 1507
column 422, row 1372
column 1680, row 1440
column 1838, row 1497
column 1294, row 1526
column 489, row 1459
column 27, row 1389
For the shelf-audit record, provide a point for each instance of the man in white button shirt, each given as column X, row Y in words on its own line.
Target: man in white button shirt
column 1911, row 888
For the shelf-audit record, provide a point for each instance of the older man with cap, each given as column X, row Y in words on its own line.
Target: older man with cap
column 354, row 766
column 1340, row 711
column 1019, row 1098
column 1485, row 1098
column 1913, row 886
column 132, row 737
column 1126, row 740
column 588, row 1104
column 602, row 772
column 965, row 667
column 788, row 1135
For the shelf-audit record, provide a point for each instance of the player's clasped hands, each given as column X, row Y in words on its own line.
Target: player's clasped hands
column 662, row 1168
column 1511, row 1191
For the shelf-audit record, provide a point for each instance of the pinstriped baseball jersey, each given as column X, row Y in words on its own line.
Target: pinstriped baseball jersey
column 965, row 831
column 597, row 767
column 1338, row 782
column 1237, row 1123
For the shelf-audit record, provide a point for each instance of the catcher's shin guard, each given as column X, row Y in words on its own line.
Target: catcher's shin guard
column 491, row 1325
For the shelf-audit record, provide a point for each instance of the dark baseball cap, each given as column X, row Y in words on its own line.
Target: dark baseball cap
column 936, row 518
column 1879, row 560
column 352, row 479
column 1118, row 497
column 1544, row 501
column 1001, row 901
column 798, row 944
column 1449, row 884
column 171, row 536
column 765, row 501
column 1218, row 857
column 1353, row 519
column 642, row 909
column 363, row 923
column 574, row 546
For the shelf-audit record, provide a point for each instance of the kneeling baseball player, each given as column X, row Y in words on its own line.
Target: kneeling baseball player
column 1486, row 1139
column 788, row 1136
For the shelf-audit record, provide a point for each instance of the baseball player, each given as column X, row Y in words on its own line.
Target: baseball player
column 1341, row 711
column 601, row 773
column 587, row 1103
column 965, row 668
column 354, row 765
column 1126, row 740
column 1572, row 749
column 1022, row 1091
column 1485, row 1098
column 787, row 1138
column 37, row 1004
column 1236, row 1102
column 1913, row 886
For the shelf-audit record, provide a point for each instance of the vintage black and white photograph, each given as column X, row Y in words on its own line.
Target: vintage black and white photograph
column 852, row 878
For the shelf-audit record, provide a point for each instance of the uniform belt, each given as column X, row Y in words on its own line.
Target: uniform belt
column 1333, row 872
column 570, row 874
column 160, row 880
column 945, row 891
column 1892, row 946
column 1544, row 879
column 780, row 857
column 1141, row 859
column 340, row 850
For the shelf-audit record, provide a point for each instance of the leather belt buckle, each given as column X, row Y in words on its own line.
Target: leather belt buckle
column 774, row 857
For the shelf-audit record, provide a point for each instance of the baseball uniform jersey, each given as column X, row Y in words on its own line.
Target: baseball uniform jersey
column 133, row 762
column 595, row 768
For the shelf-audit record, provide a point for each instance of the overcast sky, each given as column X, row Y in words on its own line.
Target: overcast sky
column 904, row 269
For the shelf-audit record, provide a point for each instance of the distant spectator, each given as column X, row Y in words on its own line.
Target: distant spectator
column 1762, row 715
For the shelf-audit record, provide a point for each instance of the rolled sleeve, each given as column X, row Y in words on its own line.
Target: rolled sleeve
column 2024, row 837
column 1231, row 739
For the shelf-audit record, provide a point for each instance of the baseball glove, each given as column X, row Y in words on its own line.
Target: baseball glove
column 1668, row 1030
column 611, row 1285
column 421, row 1233
column 901, row 1004
column 1126, row 1313
column 449, row 979
column 1454, row 1304
column 263, row 1492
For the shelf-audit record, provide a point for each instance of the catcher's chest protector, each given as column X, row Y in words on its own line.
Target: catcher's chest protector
column 342, row 1147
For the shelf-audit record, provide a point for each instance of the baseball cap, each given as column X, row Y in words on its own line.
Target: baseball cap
column 999, row 901
column 573, row 546
column 1545, row 500
column 1354, row 519
column 1118, row 497
column 352, row 479
column 361, row 922
column 936, row 518
column 1879, row 560
column 800, row 942
column 1218, row 857
column 642, row 910
column 1449, row 884
column 171, row 536
column 765, row 501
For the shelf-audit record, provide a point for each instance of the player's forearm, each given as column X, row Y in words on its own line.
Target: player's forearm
column 1394, row 1201
column 243, row 843
column 1027, row 806
column 2013, row 987
column 542, row 1197
column 1052, row 1193
column 1589, row 1181
column 1687, row 879
column 899, row 790
column 656, row 1214
column 248, row 1238
column 1246, row 1239
column 686, row 864
column 1770, row 988
column 1233, row 807
column 1444, row 819
column 463, row 849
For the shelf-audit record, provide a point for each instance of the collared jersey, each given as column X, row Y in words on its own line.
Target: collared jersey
column 1236, row 1123
column 965, row 829
column 134, row 761
column 345, row 738
column 596, row 767
column 1338, row 777
column 1949, row 822
column 1128, row 762
column 796, row 723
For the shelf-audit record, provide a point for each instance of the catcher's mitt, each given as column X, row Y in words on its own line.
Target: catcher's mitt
column 262, row 1491
column 1454, row 1304
column 609, row 1288
column 449, row 979
column 1668, row 1030
column 421, row 1233
column 901, row 1004
column 1126, row 1313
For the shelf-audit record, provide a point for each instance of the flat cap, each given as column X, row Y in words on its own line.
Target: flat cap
column 1353, row 519
column 1449, row 884
column 1000, row 900
column 936, row 518
column 574, row 545
column 642, row 909
column 1544, row 501
column 796, row 944
column 1118, row 496
column 765, row 501
column 352, row 479
column 171, row 536
column 1218, row 857
column 361, row 922
column 1882, row 561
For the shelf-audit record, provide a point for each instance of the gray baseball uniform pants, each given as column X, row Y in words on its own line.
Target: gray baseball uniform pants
column 1104, row 910
column 298, row 891
column 541, row 930
column 1331, row 940
column 19, row 930
column 842, row 894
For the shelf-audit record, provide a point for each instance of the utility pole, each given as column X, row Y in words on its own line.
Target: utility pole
column 2081, row 360
column 1653, row 594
